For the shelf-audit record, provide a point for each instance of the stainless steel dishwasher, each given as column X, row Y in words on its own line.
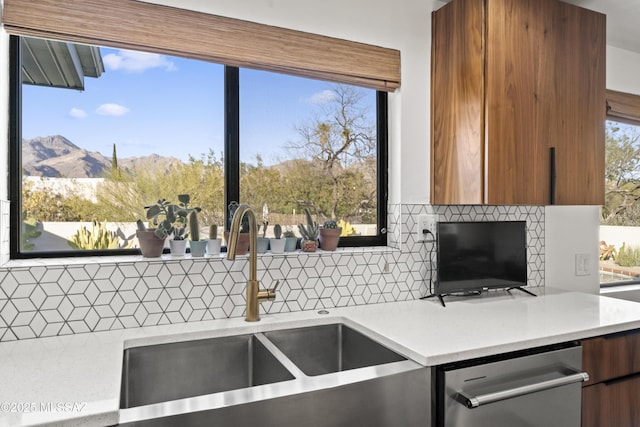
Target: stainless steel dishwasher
column 535, row 388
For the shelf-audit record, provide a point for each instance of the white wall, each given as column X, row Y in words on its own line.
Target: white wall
column 623, row 70
column 571, row 230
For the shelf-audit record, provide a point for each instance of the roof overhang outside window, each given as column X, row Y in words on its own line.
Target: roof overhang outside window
column 59, row 64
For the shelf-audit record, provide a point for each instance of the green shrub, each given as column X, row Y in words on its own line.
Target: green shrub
column 97, row 238
column 628, row 256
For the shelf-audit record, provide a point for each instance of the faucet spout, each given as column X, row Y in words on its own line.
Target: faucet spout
column 254, row 294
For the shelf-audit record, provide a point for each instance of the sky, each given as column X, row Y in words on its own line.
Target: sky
column 151, row 103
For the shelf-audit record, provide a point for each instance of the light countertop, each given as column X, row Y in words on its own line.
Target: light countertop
column 75, row 380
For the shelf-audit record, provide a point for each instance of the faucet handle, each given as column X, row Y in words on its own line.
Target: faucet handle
column 268, row 294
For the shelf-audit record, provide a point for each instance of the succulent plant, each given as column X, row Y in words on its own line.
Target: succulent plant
column 97, row 238
column 265, row 225
column 194, row 226
column 277, row 231
column 233, row 207
column 169, row 218
column 213, row 232
column 311, row 230
column 330, row 224
column 289, row 233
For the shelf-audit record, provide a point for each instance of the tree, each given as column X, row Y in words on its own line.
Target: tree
column 622, row 175
column 340, row 138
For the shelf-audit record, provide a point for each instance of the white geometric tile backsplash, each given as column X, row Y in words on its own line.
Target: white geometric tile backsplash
column 58, row 299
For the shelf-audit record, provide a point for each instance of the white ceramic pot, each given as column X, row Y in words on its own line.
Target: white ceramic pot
column 213, row 246
column 178, row 247
column 277, row 245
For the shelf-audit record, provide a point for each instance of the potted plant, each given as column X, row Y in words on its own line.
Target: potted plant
column 277, row 243
column 243, row 237
column 174, row 223
column 213, row 244
column 197, row 246
column 152, row 240
column 309, row 233
column 263, row 242
column 329, row 235
column 291, row 241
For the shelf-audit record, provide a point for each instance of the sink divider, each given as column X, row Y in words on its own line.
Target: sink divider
column 282, row 358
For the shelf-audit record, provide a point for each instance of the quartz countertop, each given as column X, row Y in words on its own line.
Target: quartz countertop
column 75, row 380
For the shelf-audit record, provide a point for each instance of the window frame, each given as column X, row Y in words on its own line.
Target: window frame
column 231, row 163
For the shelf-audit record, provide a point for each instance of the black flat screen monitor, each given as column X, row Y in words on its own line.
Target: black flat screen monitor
column 476, row 255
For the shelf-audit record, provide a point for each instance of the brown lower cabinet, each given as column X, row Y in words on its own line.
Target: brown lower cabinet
column 612, row 395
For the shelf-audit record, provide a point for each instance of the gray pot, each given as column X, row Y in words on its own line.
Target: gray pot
column 263, row 245
column 197, row 247
column 290, row 246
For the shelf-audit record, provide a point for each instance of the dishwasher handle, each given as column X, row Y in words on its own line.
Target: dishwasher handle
column 484, row 399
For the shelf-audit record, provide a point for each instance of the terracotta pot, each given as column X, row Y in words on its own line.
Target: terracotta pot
column 329, row 238
column 309, row 245
column 178, row 247
column 243, row 243
column 150, row 245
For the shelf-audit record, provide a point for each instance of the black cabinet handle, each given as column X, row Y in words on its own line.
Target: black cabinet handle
column 552, row 173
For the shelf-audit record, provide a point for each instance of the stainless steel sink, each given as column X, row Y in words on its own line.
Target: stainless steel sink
column 165, row 372
column 324, row 349
column 328, row 375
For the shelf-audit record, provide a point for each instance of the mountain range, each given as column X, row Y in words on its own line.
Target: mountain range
column 57, row 157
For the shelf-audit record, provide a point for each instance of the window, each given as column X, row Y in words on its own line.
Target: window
column 106, row 131
column 620, row 222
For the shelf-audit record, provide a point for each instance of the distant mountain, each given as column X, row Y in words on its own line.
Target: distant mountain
column 56, row 156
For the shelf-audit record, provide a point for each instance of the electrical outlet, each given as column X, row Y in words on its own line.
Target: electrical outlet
column 426, row 222
column 583, row 264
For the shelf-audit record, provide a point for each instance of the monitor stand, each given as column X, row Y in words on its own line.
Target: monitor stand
column 521, row 289
column 440, row 297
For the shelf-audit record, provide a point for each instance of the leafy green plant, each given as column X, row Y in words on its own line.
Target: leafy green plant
column 29, row 231
column 311, row 230
column 628, row 256
column 97, row 238
column 170, row 219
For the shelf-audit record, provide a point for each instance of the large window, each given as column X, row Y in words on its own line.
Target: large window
column 99, row 133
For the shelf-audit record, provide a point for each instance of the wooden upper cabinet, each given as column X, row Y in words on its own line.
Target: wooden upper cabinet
column 512, row 79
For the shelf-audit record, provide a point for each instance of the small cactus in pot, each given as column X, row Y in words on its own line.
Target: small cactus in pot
column 291, row 241
column 197, row 246
column 329, row 235
column 309, row 233
column 263, row 242
column 277, row 243
column 213, row 244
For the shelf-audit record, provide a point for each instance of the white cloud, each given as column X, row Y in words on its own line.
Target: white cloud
column 137, row 62
column 112, row 110
column 77, row 113
column 322, row 97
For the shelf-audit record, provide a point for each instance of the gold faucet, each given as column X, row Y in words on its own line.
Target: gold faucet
column 255, row 295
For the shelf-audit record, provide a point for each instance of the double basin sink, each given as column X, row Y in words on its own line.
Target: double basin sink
column 319, row 375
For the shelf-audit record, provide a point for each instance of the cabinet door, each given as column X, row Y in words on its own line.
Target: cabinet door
column 522, row 45
column 545, row 88
column 611, row 357
column 579, row 105
column 457, row 103
column 615, row 403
